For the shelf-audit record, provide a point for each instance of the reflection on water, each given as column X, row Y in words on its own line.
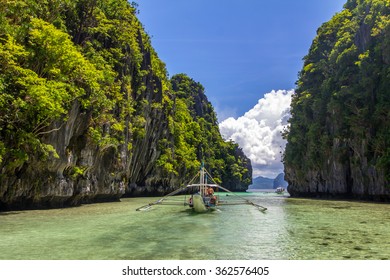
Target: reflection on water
column 290, row 229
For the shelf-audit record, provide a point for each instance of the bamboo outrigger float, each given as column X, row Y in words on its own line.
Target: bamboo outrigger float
column 202, row 198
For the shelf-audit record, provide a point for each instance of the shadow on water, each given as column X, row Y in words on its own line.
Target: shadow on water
column 10, row 213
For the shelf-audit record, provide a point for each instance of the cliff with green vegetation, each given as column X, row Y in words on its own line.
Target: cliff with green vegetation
column 339, row 134
column 199, row 130
column 88, row 113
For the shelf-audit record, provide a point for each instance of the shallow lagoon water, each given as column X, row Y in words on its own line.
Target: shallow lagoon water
column 290, row 229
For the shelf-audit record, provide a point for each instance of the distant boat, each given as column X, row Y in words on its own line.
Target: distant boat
column 279, row 190
column 202, row 199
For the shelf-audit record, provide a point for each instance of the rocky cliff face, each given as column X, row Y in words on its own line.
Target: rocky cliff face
column 225, row 160
column 55, row 183
column 338, row 140
column 242, row 164
column 88, row 114
column 85, row 171
column 279, row 181
column 353, row 177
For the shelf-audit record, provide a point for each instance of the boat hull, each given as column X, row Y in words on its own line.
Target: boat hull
column 202, row 204
column 198, row 204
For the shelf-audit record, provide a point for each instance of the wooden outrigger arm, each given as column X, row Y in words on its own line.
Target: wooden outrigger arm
column 148, row 206
column 247, row 201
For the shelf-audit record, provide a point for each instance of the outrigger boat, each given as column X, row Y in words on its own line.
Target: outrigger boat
column 202, row 198
column 279, row 190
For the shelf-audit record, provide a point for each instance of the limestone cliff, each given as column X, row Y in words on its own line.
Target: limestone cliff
column 225, row 160
column 338, row 139
column 87, row 112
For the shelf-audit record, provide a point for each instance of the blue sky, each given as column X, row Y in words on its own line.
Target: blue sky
column 239, row 50
column 247, row 55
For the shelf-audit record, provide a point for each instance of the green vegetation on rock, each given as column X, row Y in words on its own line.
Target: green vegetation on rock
column 200, row 137
column 87, row 111
column 339, row 134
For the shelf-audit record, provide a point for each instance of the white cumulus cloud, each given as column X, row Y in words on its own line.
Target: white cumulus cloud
column 258, row 132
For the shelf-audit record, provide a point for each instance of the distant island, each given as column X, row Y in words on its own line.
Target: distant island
column 268, row 183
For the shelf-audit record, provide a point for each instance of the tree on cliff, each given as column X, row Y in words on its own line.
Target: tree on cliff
column 339, row 132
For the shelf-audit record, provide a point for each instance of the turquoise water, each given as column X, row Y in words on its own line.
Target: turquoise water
column 290, row 229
